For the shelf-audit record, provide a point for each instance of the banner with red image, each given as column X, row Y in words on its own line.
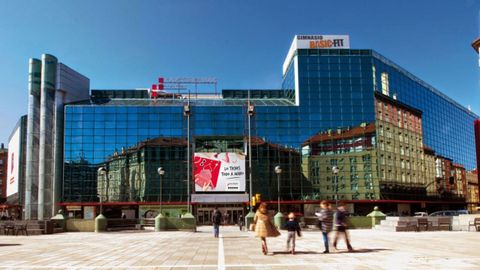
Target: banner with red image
column 219, row 172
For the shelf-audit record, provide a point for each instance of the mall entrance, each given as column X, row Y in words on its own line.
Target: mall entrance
column 230, row 213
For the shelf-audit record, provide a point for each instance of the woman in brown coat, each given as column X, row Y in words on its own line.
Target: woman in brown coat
column 264, row 227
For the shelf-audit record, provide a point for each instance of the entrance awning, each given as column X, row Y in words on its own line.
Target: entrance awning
column 219, row 198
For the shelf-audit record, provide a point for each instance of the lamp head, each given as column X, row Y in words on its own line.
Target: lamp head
column 160, row 171
column 278, row 169
column 335, row 169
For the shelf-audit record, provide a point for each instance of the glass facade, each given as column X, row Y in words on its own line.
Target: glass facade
column 448, row 128
column 324, row 117
column 131, row 142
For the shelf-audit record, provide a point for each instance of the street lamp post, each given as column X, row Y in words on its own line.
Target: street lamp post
column 100, row 220
column 250, row 113
column 278, row 171
column 335, row 171
column 186, row 112
column 161, row 172
column 279, row 216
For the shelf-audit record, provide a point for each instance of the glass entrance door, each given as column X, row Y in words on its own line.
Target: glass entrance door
column 204, row 217
column 230, row 214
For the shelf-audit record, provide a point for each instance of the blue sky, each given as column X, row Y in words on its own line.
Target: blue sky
column 128, row 44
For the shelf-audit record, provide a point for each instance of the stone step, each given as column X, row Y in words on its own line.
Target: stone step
column 385, row 228
column 126, row 228
column 35, row 231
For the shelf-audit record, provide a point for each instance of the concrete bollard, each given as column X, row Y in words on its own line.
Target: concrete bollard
column 279, row 220
column 189, row 222
column 376, row 216
column 61, row 220
column 249, row 219
column 100, row 223
column 160, row 223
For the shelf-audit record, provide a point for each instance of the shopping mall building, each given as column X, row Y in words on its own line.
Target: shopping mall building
column 345, row 125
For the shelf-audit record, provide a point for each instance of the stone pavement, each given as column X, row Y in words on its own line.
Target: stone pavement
column 238, row 250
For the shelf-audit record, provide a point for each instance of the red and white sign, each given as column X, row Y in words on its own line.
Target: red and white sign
column 13, row 163
column 219, row 172
column 315, row 42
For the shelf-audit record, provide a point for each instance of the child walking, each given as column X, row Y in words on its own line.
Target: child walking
column 293, row 228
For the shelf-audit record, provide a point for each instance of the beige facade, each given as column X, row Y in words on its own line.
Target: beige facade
column 472, row 195
column 400, row 148
column 384, row 160
column 352, row 152
column 430, row 172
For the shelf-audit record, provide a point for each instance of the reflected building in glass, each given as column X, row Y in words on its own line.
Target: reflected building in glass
column 394, row 139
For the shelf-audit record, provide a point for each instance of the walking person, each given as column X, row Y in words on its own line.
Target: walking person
column 216, row 220
column 227, row 219
column 240, row 222
column 341, row 224
column 264, row 227
column 293, row 228
column 325, row 217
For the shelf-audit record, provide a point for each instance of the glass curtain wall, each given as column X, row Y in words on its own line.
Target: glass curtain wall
column 330, row 146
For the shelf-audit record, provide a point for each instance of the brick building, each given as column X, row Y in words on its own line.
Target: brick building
column 3, row 173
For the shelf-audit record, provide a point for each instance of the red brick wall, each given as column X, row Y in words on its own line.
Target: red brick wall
column 477, row 143
column 3, row 175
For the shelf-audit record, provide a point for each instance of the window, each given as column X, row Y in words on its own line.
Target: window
column 385, row 83
column 353, row 160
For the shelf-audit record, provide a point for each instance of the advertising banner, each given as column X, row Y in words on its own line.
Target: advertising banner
column 323, row 42
column 219, row 172
column 13, row 163
column 315, row 42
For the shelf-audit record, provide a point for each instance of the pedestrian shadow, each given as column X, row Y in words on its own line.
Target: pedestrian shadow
column 246, row 236
column 296, row 252
column 362, row 250
column 8, row 245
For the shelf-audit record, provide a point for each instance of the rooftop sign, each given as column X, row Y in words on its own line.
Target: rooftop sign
column 316, row 42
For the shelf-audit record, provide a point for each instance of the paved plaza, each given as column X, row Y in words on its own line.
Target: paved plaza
column 238, row 250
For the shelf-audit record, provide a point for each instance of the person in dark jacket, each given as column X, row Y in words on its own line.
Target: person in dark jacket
column 341, row 224
column 216, row 220
column 240, row 222
column 293, row 228
column 325, row 218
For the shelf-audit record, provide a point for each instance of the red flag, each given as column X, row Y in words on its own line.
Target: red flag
column 160, row 83
column 153, row 93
